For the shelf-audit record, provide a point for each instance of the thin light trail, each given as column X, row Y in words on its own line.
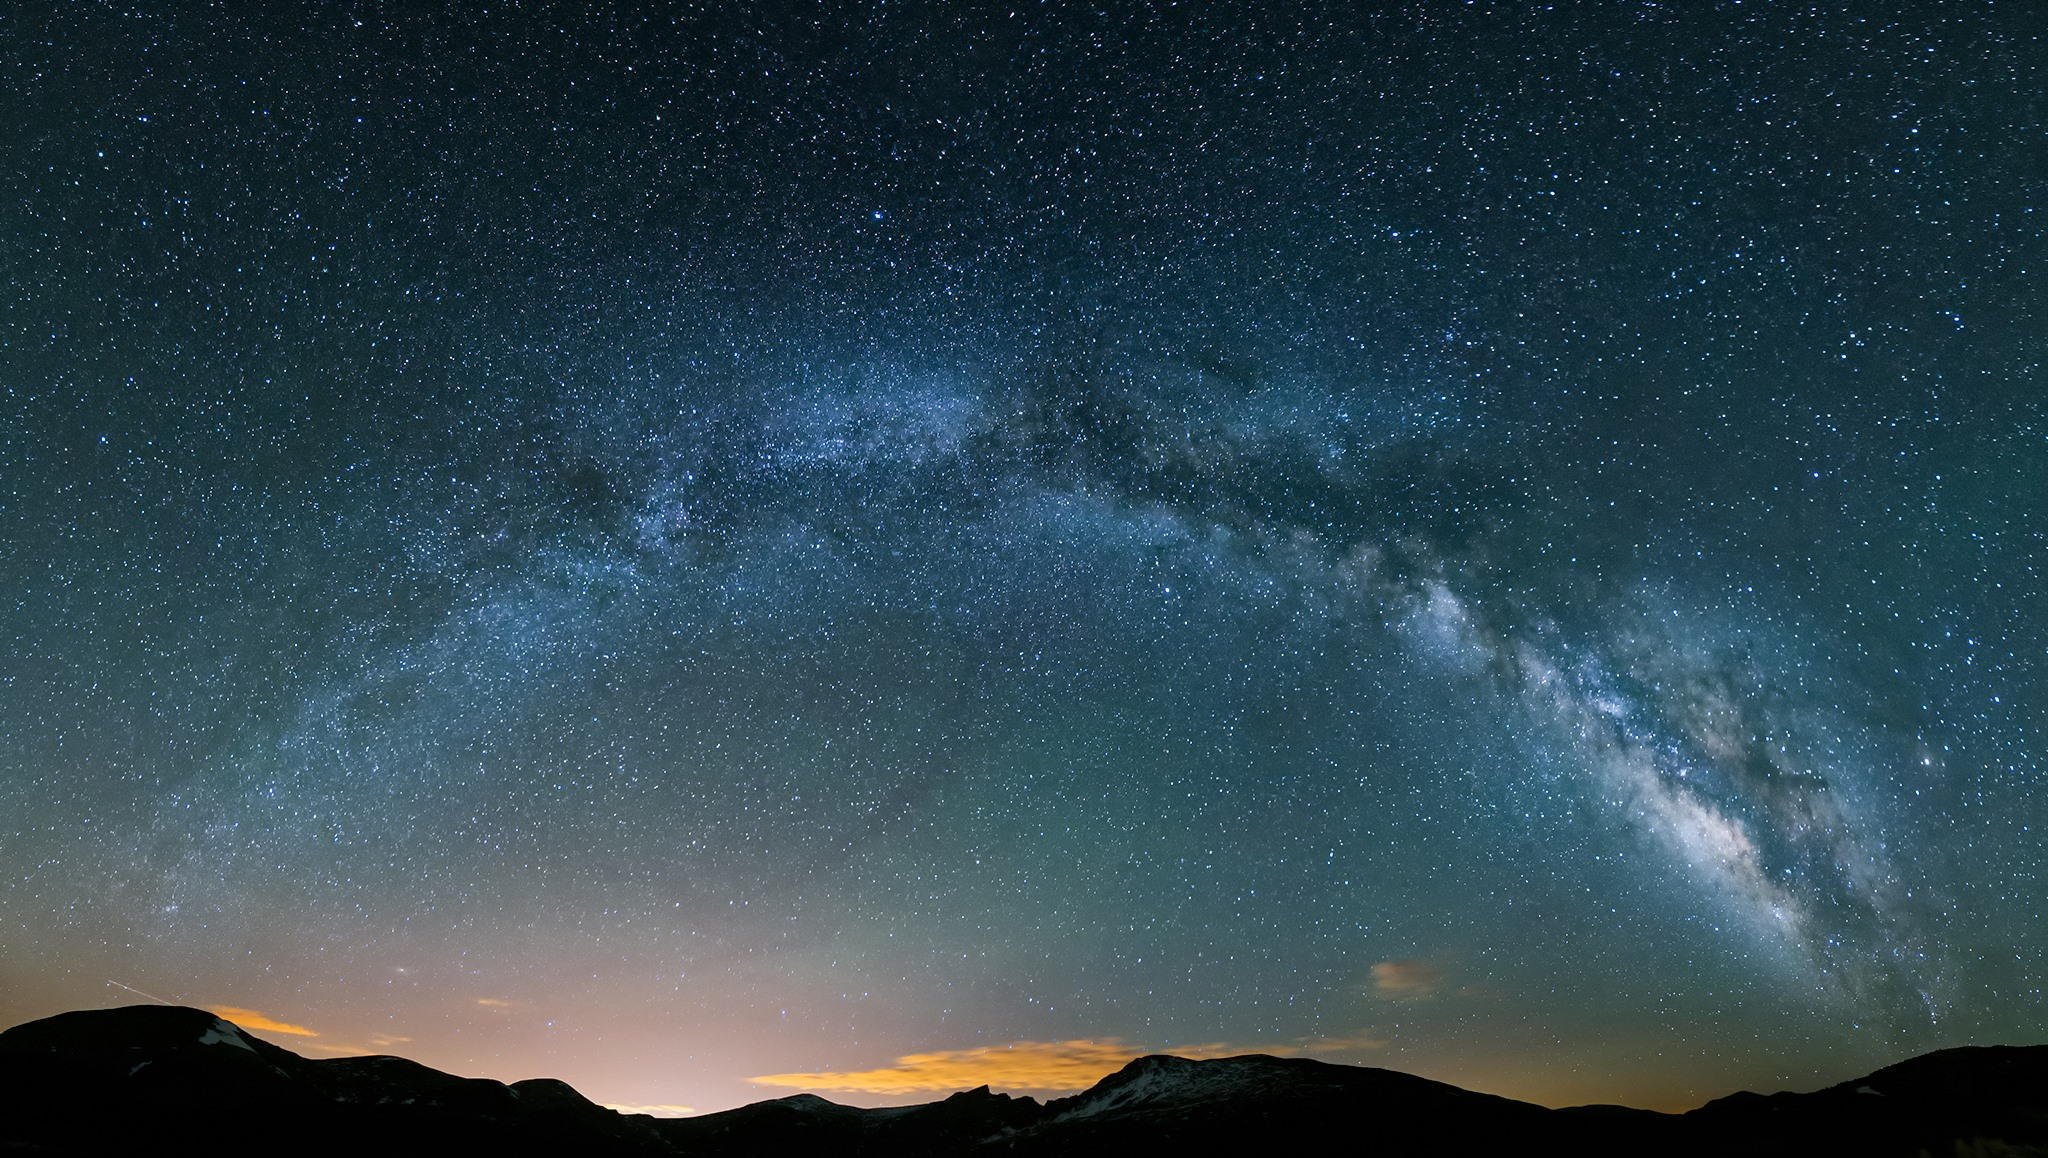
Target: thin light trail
column 139, row 993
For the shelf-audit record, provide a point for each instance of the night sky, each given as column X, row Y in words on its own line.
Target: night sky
column 881, row 549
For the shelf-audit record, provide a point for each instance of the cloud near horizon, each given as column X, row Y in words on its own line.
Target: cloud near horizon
column 378, row 1044
column 652, row 1109
column 257, row 1022
column 1029, row 1065
column 1408, row 980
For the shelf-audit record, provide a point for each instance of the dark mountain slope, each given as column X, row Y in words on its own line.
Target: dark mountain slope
column 1243, row 1104
column 165, row 1080
column 807, row 1123
column 152, row 1079
column 1924, row 1104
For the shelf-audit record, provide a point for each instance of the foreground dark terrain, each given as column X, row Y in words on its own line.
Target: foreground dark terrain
column 163, row 1079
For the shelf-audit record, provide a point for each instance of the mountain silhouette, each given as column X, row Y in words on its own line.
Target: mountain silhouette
column 168, row 1080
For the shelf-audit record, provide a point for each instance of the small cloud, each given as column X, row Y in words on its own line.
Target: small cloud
column 337, row 1048
column 378, row 1043
column 495, row 1003
column 652, row 1109
column 1355, row 1043
column 259, row 1022
column 1410, row 980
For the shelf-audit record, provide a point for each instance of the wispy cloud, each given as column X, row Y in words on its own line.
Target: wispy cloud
column 1031, row 1065
column 251, row 1019
column 652, row 1109
column 337, row 1048
column 1353, row 1043
column 1408, row 980
column 378, row 1043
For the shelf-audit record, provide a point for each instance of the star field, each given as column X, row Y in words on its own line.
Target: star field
column 856, row 547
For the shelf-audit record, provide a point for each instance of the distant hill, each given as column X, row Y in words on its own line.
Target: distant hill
column 153, row 1079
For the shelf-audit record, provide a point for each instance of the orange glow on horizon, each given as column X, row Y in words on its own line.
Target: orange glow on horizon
column 1027, row 1065
column 652, row 1110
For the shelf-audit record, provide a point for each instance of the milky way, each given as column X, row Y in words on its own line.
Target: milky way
column 701, row 553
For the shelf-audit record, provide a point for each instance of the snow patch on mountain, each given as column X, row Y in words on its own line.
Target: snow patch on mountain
column 1160, row 1082
column 221, row 1033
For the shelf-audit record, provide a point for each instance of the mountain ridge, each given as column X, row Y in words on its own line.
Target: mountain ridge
column 167, row 1079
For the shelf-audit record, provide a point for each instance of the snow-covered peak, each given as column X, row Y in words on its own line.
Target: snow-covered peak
column 224, row 1033
column 1161, row 1081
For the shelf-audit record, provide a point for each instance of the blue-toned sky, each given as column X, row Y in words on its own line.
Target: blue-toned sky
column 883, row 548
